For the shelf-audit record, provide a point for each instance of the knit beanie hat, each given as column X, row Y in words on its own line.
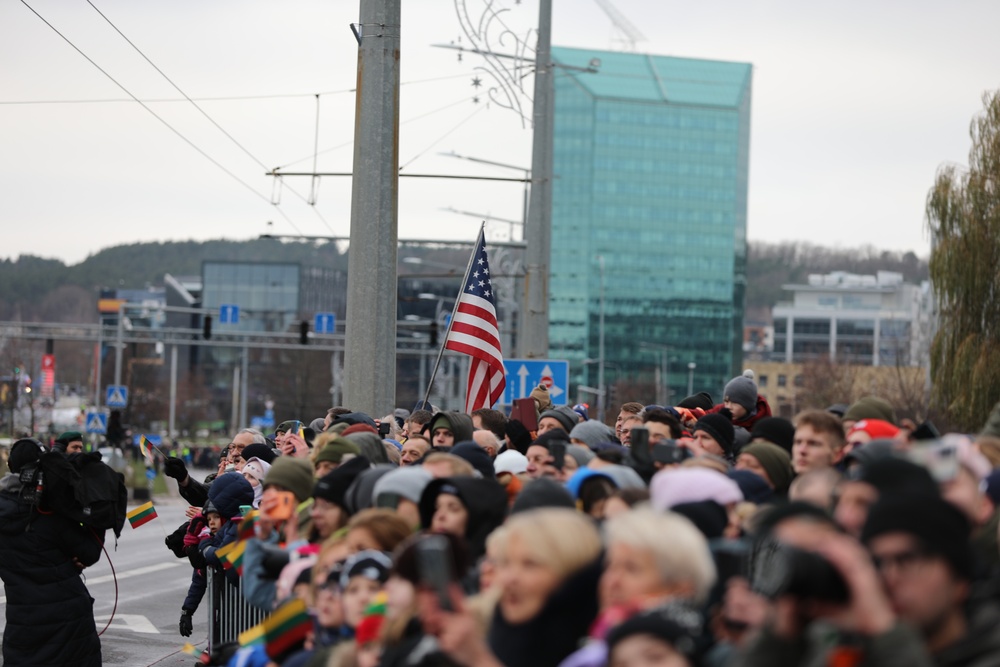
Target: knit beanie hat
column 293, row 474
column 359, row 428
column 682, row 635
column 476, row 456
column 564, row 415
column 707, row 516
column 592, row 433
column 893, row 476
column 720, row 428
column 580, row 454
column 940, row 526
column 335, row 450
column 370, row 564
column 333, row 486
column 352, row 418
column 542, row 492
column 870, row 407
column 742, row 390
column 64, row 439
column 408, row 482
column 753, row 487
column 511, row 461
column 259, row 451
column 674, row 486
column 701, row 400
column 776, row 430
column 775, row 461
column 256, row 468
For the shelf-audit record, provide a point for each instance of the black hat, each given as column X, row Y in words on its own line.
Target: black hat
column 701, row 400
column 666, row 624
column 256, row 450
column 333, row 486
column 476, row 456
column 369, row 564
column 352, row 418
column 776, row 430
column 720, row 428
column 542, row 492
column 708, row 516
column 941, row 527
column 24, row 452
column 893, row 476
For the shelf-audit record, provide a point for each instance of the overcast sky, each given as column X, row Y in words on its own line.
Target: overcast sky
column 855, row 106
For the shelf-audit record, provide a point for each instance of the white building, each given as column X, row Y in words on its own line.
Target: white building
column 869, row 320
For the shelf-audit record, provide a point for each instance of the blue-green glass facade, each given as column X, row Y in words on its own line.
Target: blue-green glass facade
column 651, row 158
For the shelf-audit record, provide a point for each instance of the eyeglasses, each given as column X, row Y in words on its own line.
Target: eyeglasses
column 904, row 562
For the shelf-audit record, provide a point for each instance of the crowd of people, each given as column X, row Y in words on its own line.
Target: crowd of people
column 702, row 534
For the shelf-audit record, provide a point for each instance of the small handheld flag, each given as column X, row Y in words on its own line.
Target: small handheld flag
column 287, row 626
column 141, row 515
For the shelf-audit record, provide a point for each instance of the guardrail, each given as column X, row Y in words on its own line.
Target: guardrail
column 229, row 613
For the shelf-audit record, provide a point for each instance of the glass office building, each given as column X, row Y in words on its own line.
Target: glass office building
column 651, row 159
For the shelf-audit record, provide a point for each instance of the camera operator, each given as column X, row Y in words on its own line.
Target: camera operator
column 827, row 603
column 50, row 615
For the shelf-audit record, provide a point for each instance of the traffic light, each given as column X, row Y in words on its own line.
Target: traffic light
column 434, row 334
column 206, row 331
column 303, row 333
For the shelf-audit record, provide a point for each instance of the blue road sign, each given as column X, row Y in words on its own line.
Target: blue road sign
column 325, row 323
column 523, row 375
column 116, row 396
column 97, row 422
column 229, row 313
column 150, row 474
column 261, row 423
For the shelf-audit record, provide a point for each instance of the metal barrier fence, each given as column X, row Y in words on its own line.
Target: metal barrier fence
column 229, row 613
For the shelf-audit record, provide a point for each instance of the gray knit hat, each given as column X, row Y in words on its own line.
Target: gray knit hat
column 408, row 483
column 742, row 390
column 564, row 415
column 592, row 433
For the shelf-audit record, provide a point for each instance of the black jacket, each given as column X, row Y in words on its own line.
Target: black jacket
column 50, row 614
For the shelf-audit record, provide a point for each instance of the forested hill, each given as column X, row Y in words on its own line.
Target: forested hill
column 36, row 289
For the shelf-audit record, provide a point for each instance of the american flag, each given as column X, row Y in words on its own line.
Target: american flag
column 474, row 331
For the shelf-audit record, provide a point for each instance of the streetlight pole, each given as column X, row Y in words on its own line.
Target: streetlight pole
column 534, row 335
column 370, row 358
column 602, row 390
column 691, row 367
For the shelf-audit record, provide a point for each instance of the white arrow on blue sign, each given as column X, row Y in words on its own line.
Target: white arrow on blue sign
column 523, row 375
column 229, row 313
column 325, row 323
column 97, row 422
column 116, row 396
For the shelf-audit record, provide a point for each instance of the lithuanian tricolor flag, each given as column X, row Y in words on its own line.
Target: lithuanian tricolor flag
column 287, row 626
column 231, row 555
column 141, row 514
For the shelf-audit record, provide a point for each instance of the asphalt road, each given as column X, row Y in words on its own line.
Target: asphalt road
column 151, row 585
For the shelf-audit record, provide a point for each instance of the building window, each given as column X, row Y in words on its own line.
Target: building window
column 762, row 381
column 799, row 381
column 816, row 327
column 828, row 301
column 782, row 381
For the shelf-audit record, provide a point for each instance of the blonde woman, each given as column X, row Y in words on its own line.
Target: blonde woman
column 547, row 571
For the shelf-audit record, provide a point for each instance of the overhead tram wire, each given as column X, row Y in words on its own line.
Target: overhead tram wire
column 156, row 115
column 211, row 120
column 223, row 98
column 441, row 138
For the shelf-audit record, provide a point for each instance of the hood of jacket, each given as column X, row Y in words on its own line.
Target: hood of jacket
column 459, row 422
column 485, row 500
column 14, row 512
column 228, row 492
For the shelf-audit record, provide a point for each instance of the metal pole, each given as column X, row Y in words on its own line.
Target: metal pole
column 600, row 349
column 171, row 427
column 97, row 364
column 370, row 361
column 534, row 338
column 691, row 367
column 666, row 377
column 234, row 413
column 119, row 344
column 244, row 382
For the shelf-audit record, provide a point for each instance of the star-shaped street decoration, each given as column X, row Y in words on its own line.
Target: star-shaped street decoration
column 476, row 82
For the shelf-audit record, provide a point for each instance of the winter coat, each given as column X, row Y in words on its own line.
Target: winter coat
column 546, row 639
column 899, row 647
column 50, row 614
column 762, row 410
column 228, row 492
column 980, row 647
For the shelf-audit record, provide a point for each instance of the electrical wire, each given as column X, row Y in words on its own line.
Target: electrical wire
column 154, row 114
column 204, row 113
column 114, row 575
column 441, row 138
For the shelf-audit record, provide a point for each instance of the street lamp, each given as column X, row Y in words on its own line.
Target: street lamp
column 691, row 367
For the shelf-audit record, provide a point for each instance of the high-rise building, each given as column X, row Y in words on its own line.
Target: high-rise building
column 651, row 160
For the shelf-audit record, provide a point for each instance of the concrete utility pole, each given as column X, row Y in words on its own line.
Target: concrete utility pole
column 370, row 359
column 534, row 336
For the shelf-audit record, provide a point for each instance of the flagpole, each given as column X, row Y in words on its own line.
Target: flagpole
column 454, row 309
